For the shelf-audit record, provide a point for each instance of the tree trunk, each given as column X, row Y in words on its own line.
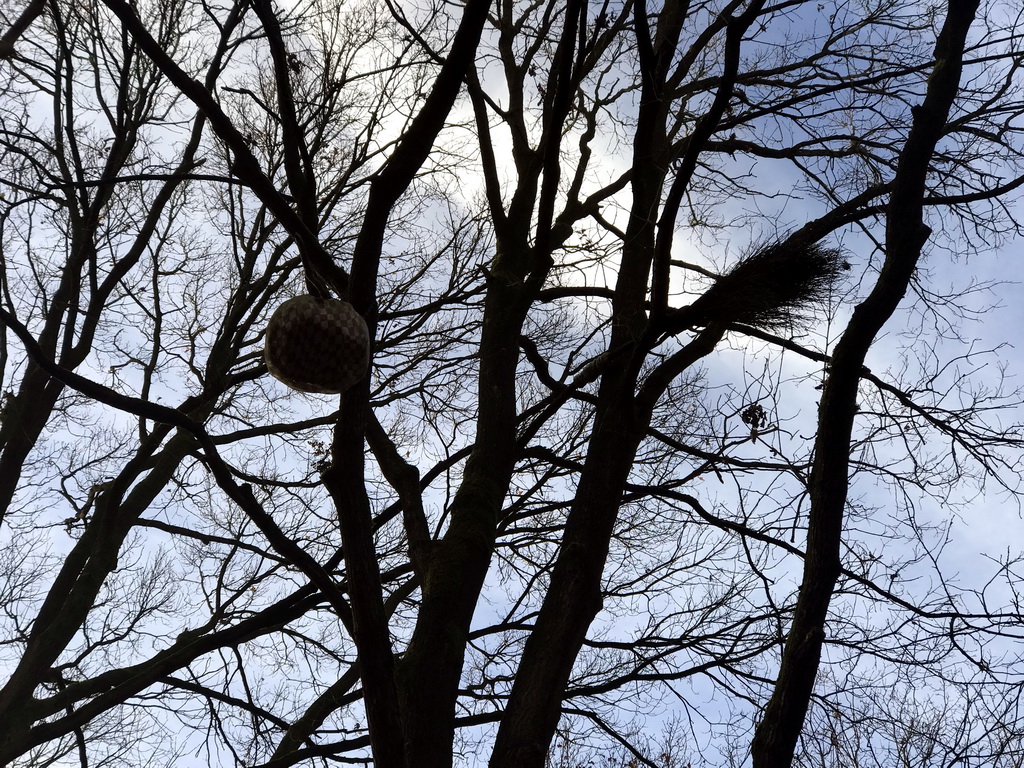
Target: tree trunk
column 776, row 737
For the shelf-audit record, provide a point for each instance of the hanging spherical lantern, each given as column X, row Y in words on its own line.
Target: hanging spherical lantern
column 317, row 345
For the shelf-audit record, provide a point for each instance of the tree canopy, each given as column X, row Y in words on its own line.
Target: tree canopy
column 681, row 401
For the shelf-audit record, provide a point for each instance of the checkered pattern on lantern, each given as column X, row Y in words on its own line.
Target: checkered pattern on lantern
column 317, row 345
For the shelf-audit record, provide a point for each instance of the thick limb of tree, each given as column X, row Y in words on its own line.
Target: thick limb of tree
column 777, row 734
column 345, row 481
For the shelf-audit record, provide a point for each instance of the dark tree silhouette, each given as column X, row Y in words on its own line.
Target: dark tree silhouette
column 608, row 255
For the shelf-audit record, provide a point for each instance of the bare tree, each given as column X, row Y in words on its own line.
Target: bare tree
column 577, row 482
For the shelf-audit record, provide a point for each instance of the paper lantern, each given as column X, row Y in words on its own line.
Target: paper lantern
column 317, row 345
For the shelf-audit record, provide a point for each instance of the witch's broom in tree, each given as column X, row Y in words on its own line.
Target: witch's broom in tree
column 773, row 287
